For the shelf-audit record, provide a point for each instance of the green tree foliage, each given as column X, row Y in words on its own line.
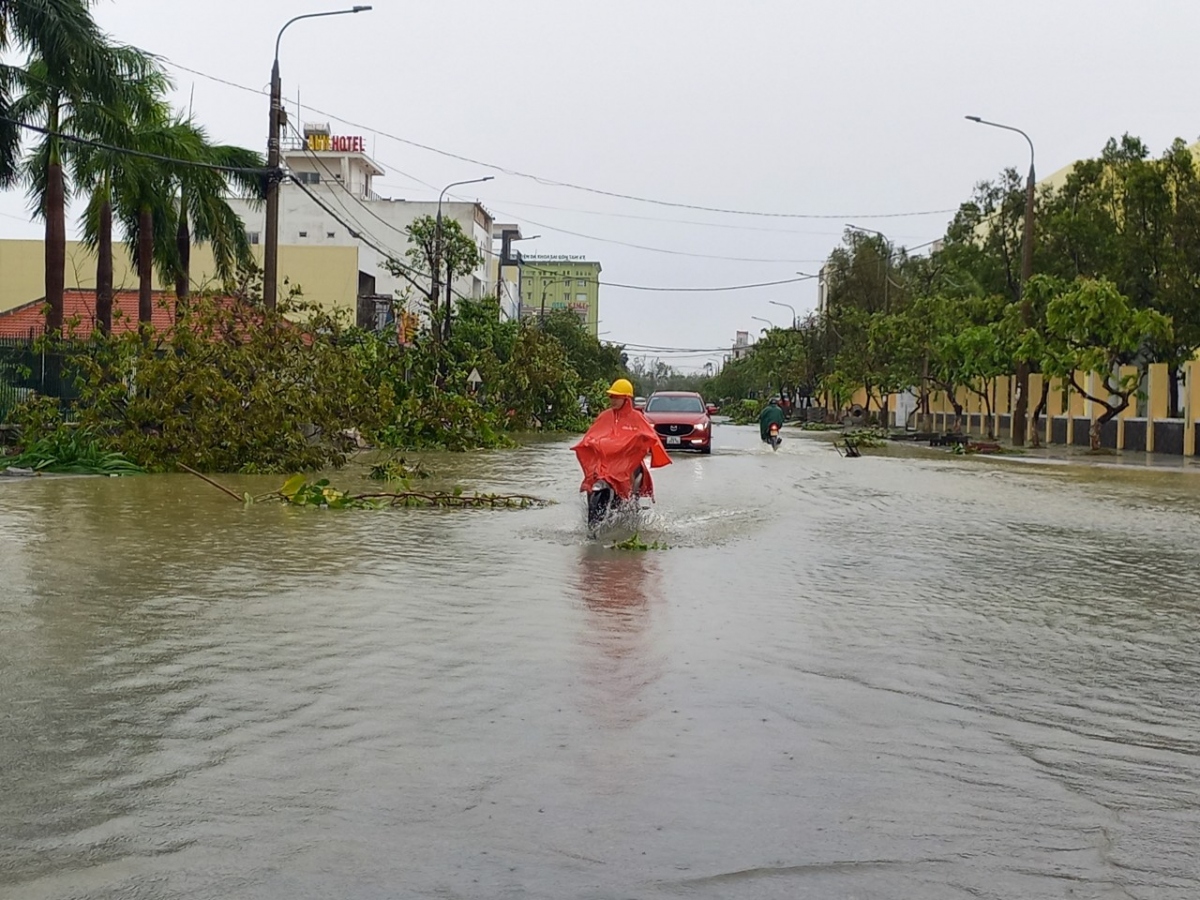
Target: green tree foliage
column 1092, row 329
column 231, row 387
column 446, row 250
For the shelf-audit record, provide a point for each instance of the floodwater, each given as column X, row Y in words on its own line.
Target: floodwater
column 908, row 676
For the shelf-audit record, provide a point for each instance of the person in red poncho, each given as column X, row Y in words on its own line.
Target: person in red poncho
column 617, row 444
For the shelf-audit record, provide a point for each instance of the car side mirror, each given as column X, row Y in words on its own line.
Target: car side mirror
column 710, row 409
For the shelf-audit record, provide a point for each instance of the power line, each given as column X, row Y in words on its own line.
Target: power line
column 643, row 287
column 633, row 287
column 126, row 151
column 550, row 182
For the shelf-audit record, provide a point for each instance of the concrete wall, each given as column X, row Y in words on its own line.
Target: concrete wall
column 1069, row 415
column 328, row 275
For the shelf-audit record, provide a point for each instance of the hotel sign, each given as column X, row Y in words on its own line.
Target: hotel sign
column 338, row 143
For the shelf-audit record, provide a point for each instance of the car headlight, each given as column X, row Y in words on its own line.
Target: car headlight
column 703, row 426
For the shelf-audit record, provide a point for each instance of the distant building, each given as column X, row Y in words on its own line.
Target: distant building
column 561, row 282
column 337, row 182
column 742, row 345
column 505, row 265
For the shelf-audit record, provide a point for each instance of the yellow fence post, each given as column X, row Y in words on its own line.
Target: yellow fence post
column 1156, row 399
column 1191, row 406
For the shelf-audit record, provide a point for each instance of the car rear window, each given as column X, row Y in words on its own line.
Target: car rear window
column 675, row 404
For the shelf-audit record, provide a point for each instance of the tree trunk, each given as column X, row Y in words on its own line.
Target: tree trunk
column 56, row 245
column 958, row 414
column 448, row 306
column 1035, row 437
column 145, row 261
column 183, row 274
column 1094, row 433
column 104, row 268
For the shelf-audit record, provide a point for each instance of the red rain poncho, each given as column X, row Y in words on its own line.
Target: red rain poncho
column 615, row 446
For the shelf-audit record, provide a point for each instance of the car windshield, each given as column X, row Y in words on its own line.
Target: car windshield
column 675, row 405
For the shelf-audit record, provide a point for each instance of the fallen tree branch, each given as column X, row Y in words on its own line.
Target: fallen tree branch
column 219, row 487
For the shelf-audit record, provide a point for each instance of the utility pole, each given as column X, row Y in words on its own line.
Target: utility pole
column 1021, row 407
column 274, row 173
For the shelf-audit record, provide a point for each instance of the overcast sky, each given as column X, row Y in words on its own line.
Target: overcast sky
column 840, row 110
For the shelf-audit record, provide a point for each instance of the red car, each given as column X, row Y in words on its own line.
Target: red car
column 681, row 420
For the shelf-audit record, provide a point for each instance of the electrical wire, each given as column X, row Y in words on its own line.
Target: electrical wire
column 633, row 287
column 126, row 151
column 550, row 182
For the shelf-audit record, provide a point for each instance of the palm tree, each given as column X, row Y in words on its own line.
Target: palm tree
column 63, row 99
column 202, row 212
column 164, row 206
column 99, row 169
column 61, row 32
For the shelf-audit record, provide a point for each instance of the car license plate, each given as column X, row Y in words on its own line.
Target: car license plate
column 672, row 441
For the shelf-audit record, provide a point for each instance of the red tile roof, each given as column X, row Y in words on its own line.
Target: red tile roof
column 29, row 319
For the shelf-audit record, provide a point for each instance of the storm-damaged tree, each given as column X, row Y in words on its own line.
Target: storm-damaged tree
column 1092, row 329
column 459, row 256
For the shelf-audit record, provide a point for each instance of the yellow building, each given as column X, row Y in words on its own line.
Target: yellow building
column 327, row 275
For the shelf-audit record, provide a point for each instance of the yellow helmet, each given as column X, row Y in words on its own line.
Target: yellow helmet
column 621, row 388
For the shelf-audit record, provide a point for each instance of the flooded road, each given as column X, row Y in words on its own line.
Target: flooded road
column 901, row 676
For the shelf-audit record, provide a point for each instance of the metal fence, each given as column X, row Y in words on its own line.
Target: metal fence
column 26, row 369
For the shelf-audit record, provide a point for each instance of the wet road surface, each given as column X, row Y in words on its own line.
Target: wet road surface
column 898, row 676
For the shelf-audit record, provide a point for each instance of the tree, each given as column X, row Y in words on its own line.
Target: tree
column 593, row 360
column 459, row 254
column 61, row 92
column 202, row 212
column 1093, row 329
column 98, row 170
column 60, row 32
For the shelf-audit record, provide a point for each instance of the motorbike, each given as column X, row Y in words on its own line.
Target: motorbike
column 603, row 501
column 773, row 437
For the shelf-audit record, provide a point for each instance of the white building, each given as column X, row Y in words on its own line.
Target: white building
column 742, row 345
column 338, row 173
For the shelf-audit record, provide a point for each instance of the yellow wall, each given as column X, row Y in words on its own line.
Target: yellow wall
column 327, row 275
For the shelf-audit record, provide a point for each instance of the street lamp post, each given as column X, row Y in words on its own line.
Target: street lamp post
column 786, row 306
column 761, row 319
column 1021, row 407
column 271, row 247
column 436, row 277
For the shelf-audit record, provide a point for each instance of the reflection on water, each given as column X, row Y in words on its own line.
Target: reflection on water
column 898, row 676
column 621, row 597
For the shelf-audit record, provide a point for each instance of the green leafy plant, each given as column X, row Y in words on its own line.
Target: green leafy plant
column 70, row 450
column 397, row 469
column 636, row 543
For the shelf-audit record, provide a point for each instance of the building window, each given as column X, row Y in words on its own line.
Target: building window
column 330, row 234
column 580, row 283
column 252, row 237
column 304, row 234
column 308, row 177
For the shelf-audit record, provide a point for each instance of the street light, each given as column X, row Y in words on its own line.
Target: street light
column 271, row 248
column 436, row 281
column 1021, row 407
column 788, row 306
column 761, row 319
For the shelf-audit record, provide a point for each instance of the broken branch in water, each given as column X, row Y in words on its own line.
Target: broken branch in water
column 219, row 487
